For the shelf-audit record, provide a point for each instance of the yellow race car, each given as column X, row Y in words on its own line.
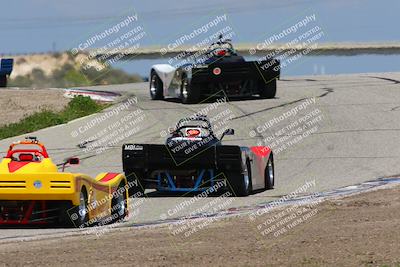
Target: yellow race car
column 34, row 192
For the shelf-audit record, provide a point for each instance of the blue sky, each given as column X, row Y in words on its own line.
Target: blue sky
column 35, row 26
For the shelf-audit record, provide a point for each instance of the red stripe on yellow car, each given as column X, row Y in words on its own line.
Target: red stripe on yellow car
column 16, row 165
column 78, row 185
column 109, row 176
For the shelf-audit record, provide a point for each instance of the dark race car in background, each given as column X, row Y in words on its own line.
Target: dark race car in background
column 6, row 67
column 193, row 159
column 224, row 72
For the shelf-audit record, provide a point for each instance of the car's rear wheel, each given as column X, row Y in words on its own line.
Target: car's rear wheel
column 267, row 88
column 119, row 204
column 136, row 188
column 190, row 94
column 270, row 174
column 156, row 87
column 241, row 184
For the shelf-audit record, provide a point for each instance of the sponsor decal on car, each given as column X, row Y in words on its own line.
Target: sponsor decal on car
column 133, row 147
column 217, row 71
column 37, row 184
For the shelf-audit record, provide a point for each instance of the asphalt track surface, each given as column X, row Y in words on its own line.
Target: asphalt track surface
column 357, row 139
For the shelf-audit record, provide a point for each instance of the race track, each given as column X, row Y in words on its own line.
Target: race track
column 357, row 138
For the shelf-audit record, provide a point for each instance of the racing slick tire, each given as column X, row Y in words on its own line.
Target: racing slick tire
column 76, row 216
column 270, row 174
column 3, row 81
column 190, row 94
column 82, row 210
column 119, row 204
column 135, row 189
column 267, row 88
column 240, row 183
column 156, row 87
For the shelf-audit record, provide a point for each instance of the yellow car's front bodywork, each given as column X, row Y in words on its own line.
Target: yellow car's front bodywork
column 38, row 181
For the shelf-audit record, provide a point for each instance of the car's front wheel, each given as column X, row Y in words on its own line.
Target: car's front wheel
column 156, row 87
column 75, row 216
column 240, row 183
column 190, row 94
column 270, row 174
column 82, row 210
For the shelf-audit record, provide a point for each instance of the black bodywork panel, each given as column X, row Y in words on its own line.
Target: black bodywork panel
column 159, row 157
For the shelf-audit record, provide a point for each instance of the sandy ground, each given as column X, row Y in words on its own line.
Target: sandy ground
column 17, row 104
column 360, row 230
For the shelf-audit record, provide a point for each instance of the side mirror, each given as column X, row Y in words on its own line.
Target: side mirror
column 227, row 132
column 70, row 161
column 73, row 161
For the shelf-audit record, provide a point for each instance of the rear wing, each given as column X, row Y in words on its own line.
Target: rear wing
column 257, row 70
column 6, row 66
column 159, row 157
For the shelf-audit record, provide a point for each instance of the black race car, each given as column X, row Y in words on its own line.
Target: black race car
column 222, row 72
column 6, row 67
column 193, row 159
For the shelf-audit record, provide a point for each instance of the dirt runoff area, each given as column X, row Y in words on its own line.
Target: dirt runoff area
column 361, row 230
column 16, row 104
